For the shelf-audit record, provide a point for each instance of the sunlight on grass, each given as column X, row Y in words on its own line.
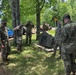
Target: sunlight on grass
column 35, row 62
column 52, row 32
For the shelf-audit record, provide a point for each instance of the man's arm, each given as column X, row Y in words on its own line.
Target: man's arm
column 16, row 28
column 0, row 39
column 63, row 36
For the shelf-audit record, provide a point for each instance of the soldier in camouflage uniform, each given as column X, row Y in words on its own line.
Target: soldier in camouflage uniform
column 3, row 40
column 68, row 47
column 43, row 35
column 57, row 39
column 19, row 32
column 29, row 27
column 45, row 40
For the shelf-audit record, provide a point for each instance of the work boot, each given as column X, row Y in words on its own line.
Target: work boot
column 4, row 63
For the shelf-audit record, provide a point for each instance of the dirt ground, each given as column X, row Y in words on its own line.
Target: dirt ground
column 4, row 71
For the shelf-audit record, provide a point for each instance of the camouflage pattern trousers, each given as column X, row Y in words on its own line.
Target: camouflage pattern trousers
column 28, row 38
column 69, row 62
column 19, row 43
column 5, row 50
column 55, row 48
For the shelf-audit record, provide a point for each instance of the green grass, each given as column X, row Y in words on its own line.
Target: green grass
column 34, row 61
column 52, row 32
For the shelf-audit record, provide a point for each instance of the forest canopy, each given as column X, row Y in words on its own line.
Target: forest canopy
column 50, row 9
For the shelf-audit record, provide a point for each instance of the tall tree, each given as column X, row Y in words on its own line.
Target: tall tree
column 13, row 11
column 39, row 6
column 17, row 12
column 15, row 15
column 13, row 8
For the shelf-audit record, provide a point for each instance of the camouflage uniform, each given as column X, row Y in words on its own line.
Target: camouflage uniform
column 68, row 48
column 45, row 27
column 46, row 39
column 43, row 38
column 19, row 30
column 57, row 39
column 29, row 27
column 4, row 42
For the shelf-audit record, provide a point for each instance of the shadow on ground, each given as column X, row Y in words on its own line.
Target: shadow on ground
column 34, row 61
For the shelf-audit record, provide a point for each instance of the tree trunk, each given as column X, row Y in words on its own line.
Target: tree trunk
column 38, row 25
column 38, row 19
column 13, row 7
column 15, row 16
column 17, row 13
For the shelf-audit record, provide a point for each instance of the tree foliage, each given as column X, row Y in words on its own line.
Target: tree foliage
column 6, row 9
column 27, row 10
column 51, row 8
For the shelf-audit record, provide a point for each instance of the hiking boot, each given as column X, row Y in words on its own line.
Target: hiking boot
column 4, row 63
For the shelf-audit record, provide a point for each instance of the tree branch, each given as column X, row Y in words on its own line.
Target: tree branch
column 42, row 5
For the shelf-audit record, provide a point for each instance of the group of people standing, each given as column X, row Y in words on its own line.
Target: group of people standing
column 18, row 32
column 26, row 30
column 66, row 41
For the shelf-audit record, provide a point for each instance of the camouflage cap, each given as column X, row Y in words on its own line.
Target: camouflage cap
column 66, row 16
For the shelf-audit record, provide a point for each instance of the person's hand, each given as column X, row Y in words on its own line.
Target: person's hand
column 2, row 46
